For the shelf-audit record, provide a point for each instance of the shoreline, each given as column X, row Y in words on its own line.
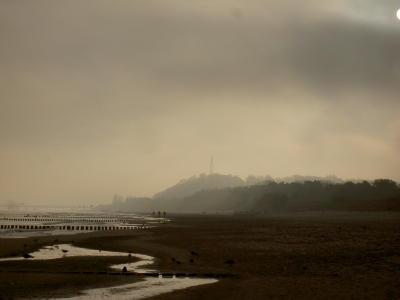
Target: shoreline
column 347, row 257
column 140, row 288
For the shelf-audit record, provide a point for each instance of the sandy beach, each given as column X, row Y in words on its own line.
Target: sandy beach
column 291, row 256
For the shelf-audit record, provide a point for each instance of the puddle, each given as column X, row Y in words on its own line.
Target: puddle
column 18, row 233
column 138, row 290
column 54, row 252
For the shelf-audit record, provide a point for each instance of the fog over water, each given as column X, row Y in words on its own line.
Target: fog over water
column 129, row 97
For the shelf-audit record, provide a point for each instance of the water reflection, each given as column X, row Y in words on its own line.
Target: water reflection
column 54, row 252
column 143, row 289
column 138, row 290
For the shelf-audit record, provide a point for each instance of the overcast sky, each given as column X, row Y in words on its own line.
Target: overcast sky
column 129, row 97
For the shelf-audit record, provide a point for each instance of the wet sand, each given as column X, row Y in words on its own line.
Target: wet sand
column 292, row 256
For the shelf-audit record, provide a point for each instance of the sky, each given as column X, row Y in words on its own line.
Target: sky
column 129, row 97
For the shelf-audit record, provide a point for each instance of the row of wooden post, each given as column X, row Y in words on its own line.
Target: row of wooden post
column 64, row 220
column 67, row 227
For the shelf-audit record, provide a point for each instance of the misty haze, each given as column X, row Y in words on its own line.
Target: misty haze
column 251, row 147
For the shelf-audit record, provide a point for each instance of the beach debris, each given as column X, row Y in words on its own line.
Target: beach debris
column 230, row 262
column 26, row 255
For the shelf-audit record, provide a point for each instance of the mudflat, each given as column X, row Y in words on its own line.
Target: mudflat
column 286, row 256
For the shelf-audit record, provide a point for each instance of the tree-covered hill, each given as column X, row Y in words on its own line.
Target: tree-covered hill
column 381, row 194
column 187, row 187
column 295, row 196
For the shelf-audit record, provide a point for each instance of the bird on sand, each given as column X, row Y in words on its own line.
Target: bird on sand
column 173, row 259
column 230, row 262
column 64, row 251
column 194, row 253
column 191, row 261
column 25, row 255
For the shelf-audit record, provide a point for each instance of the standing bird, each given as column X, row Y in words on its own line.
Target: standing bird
column 173, row 259
column 64, row 251
column 230, row 262
column 191, row 261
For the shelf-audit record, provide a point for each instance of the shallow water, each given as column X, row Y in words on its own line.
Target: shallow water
column 70, row 219
column 54, row 252
column 138, row 290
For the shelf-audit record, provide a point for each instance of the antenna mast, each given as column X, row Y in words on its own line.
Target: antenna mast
column 211, row 165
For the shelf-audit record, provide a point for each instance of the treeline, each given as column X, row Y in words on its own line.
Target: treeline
column 381, row 194
column 295, row 196
column 187, row 187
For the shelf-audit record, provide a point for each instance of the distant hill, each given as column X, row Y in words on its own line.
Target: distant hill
column 217, row 192
column 381, row 194
column 187, row 187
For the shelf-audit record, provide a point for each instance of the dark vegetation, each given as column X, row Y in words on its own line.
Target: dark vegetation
column 187, row 187
column 226, row 193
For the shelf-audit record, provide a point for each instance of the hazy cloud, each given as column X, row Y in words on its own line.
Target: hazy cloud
column 143, row 92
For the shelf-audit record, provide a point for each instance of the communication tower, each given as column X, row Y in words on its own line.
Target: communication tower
column 211, row 165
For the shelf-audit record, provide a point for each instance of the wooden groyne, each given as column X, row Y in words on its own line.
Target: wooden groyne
column 66, row 219
column 69, row 227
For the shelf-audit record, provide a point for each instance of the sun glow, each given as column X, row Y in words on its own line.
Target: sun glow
column 398, row 14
